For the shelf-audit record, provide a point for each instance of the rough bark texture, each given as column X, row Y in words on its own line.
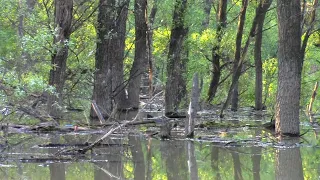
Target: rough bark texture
column 289, row 67
column 140, row 57
column 63, row 19
column 261, row 14
column 178, row 34
column 102, row 78
column 117, row 43
column 216, row 55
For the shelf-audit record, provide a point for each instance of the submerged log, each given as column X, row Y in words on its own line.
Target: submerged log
column 193, row 107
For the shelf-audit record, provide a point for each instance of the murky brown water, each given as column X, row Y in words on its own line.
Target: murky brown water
column 222, row 153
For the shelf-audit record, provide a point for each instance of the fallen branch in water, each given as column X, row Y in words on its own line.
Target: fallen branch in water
column 111, row 130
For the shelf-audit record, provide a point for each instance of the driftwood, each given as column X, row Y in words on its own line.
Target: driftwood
column 110, row 130
column 193, row 107
column 97, row 111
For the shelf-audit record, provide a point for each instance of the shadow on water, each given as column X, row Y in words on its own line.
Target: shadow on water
column 237, row 152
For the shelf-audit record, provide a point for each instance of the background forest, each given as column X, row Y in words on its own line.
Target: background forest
column 31, row 41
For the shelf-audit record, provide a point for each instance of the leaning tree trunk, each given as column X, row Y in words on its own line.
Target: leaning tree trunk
column 237, row 65
column 216, row 55
column 261, row 14
column 140, row 57
column 178, row 34
column 63, row 19
column 102, row 90
column 233, row 90
column 289, row 67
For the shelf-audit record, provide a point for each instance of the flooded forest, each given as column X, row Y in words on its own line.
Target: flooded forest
column 159, row 90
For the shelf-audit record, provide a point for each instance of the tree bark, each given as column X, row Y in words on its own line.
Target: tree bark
column 289, row 67
column 237, row 66
column 261, row 14
column 63, row 19
column 140, row 57
column 178, row 34
column 117, row 43
column 102, row 90
column 216, row 55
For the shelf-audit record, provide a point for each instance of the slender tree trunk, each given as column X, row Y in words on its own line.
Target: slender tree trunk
column 261, row 14
column 207, row 10
column 216, row 54
column 289, row 68
column 150, row 46
column 63, row 19
column 178, row 34
column 237, row 66
column 140, row 57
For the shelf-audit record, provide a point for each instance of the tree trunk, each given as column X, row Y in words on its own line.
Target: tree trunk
column 150, row 46
column 140, row 54
column 237, row 64
column 260, row 13
column 178, row 34
column 63, row 19
column 117, row 55
column 207, row 10
column 102, row 90
column 216, row 55
column 193, row 107
column 289, row 68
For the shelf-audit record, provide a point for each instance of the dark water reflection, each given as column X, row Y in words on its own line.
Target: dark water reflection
column 172, row 160
column 142, row 158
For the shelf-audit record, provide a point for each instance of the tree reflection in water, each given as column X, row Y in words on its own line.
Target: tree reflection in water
column 288, row 161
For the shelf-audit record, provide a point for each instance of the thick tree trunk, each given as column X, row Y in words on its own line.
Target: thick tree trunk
column 140, row 57
column 63, row 19
column 216, row 55
column 178, row 34
column 289, row 68
column 260, row 13
column 117, row 55
column 102, row 90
